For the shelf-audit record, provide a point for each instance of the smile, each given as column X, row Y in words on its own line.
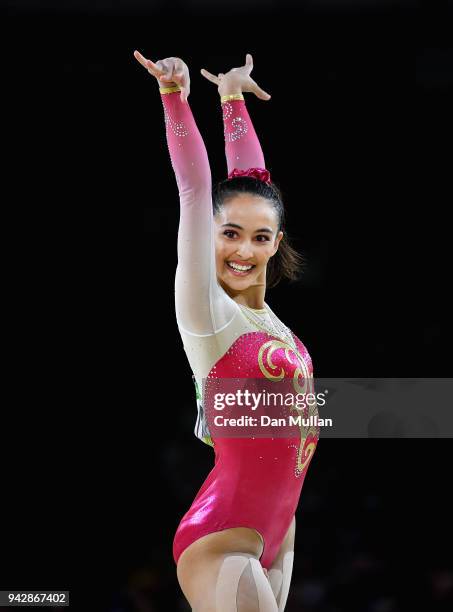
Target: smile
column 239, row 269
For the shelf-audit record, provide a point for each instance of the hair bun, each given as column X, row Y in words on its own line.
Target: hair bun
column 259, row 173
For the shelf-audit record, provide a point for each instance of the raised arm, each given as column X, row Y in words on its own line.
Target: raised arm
column 200, row 307
column 242, row 146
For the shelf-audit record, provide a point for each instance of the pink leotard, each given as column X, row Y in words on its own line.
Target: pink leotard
column 255, row 482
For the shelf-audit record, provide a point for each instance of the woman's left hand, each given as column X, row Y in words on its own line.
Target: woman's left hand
column 237, row 79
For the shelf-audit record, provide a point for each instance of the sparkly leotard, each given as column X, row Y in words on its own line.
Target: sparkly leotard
column 255, row 482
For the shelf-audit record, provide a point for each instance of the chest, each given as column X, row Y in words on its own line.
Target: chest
column 259, row 355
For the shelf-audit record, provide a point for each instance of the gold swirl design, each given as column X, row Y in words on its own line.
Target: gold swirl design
column 304, row 456
column 272, row 345
column 304, row 451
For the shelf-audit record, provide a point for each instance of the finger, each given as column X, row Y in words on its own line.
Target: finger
column 185, row 83
column 185, row 93
column 138, row 56
column 260, row 93
column 209, row 76
column 182, row 80
column 179, row 65
column 249, row 60
column 169, row 74
column 153, row 68
column 220, row 75
column 171, row 77
column 167, row 69
column 178, row 77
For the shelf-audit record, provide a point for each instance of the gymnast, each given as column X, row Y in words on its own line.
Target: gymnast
column 234, row 547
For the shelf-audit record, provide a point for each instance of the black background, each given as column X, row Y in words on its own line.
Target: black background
column 99, row 461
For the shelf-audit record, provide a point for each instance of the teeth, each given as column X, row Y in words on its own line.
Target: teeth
column 238, row 267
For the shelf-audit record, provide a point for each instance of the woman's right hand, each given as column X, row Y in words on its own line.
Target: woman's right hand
column 168, row 72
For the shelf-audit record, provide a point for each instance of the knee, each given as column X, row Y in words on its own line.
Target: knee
column 247, row 591
column 243, row 587
column 235, row 588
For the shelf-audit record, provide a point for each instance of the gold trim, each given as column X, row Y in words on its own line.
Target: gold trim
column 230, row 97
column 167, row 90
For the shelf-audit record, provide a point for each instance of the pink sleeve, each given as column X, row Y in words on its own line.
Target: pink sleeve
column 188, row 154
column 242, row 147
column 202, row 307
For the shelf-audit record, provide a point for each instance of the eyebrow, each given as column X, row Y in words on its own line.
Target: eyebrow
column 263, row 229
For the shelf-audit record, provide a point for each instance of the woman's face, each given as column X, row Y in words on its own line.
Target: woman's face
column 246, row 236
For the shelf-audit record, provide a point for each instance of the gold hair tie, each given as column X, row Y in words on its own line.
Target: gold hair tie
column 231, row 97
column 167, row 90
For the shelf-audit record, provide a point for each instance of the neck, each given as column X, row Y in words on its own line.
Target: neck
column 253, row 297
column 256, row 305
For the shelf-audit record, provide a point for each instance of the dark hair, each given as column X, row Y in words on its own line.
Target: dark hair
column 287, row 262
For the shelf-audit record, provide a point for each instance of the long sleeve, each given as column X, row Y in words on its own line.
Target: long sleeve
column 242, row 147
column 202, row 307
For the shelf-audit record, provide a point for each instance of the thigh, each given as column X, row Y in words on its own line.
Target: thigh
column 281, row 569
column 232, row 582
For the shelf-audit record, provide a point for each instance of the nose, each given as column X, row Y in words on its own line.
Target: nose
column 244, row 250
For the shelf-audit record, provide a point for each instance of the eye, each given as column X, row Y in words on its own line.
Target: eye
column 227, row 232
column 266, row 238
